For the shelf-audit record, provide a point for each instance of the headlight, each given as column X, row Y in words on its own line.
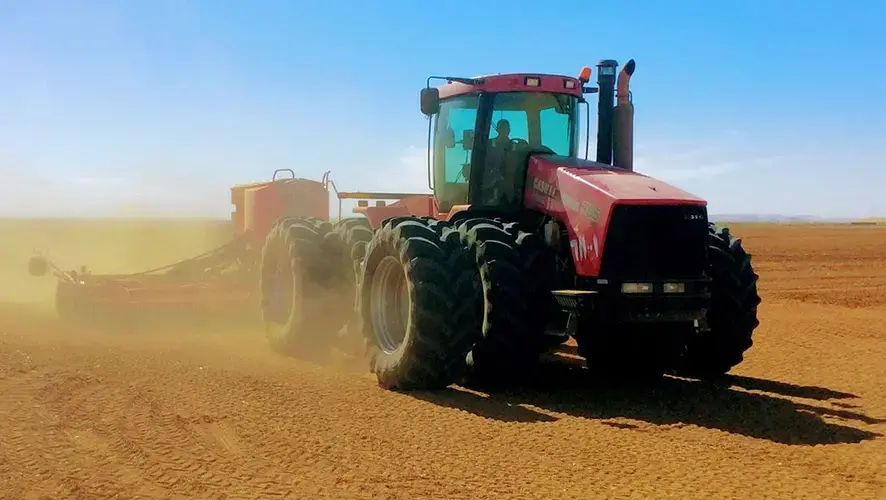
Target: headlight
column 674, row 288
column 636, row 288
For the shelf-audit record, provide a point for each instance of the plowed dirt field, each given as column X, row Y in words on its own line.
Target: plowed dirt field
column 213, row 413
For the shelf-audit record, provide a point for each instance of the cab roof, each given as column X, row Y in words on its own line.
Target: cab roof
column 514, row 82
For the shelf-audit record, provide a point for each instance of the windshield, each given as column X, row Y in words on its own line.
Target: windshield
column 543, row 120
column 530, row 121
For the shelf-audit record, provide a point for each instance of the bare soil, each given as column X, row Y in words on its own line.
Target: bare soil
column 213, row 413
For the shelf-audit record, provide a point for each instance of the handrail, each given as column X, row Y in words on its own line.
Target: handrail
column 329, row 182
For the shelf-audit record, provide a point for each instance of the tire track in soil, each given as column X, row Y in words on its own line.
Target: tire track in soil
column 155, row 432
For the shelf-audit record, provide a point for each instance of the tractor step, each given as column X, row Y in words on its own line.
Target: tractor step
column 572, row 300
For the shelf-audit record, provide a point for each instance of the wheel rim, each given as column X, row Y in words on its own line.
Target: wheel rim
column 390, row 304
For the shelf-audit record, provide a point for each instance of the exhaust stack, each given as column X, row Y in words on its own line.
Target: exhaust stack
column 605, row 94
column 623, row 126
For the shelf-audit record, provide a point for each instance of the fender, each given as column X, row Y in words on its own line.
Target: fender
column 419, row 205
column 581, row 195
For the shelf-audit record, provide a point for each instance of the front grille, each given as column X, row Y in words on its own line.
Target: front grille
column 650, row 242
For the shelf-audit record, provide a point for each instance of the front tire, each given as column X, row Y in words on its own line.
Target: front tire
column 732, row 317
column 416, row 327
column 514, row 297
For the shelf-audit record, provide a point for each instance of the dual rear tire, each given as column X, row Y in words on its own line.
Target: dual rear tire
column 443, row 302
column 301, row 296
column 416, row 324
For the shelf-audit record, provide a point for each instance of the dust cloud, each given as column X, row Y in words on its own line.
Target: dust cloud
column 102, row 245
column 131, row 245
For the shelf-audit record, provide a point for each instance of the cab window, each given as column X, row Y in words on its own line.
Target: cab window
column 451, row 159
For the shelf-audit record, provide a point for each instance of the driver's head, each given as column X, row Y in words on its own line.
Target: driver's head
column 503, row 127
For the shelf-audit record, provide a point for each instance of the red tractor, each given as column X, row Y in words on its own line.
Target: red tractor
column 522, row 245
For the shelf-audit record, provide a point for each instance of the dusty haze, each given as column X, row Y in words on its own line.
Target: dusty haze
column 103, row 245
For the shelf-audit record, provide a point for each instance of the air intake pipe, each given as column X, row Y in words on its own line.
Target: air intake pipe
column 605, row 94
column 623, row 120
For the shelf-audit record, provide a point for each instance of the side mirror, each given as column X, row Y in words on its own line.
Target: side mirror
column 467, row 141
column 430, row 101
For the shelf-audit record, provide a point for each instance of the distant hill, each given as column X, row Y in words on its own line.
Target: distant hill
column 777, row 218
column 870, row 221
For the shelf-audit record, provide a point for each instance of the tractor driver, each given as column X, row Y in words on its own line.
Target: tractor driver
column 494, row 182
column 503, row 128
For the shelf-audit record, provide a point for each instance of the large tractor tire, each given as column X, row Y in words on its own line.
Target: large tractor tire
column 732, row 317
column 297, row 287
column 348, row 241
column 514, row 292
column 417, row 326
column 346, row 244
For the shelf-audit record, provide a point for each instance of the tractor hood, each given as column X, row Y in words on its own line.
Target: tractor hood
column 583, row 195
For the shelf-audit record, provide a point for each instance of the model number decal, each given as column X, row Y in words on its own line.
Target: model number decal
column 582, row 250
column 585, row 208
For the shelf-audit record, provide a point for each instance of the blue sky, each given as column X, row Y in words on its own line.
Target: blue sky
column 157, row 107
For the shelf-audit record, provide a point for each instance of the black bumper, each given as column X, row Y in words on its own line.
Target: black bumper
column 607, row 303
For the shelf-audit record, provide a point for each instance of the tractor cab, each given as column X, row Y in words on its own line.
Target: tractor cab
column 483, row 131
